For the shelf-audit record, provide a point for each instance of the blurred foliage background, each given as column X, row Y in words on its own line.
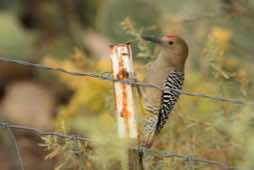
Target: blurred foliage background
column 75, row 35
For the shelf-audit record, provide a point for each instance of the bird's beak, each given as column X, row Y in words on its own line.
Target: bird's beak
column 152, row 39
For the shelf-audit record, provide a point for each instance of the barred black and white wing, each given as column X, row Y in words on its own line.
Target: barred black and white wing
column 171, row 92
column 155, row 122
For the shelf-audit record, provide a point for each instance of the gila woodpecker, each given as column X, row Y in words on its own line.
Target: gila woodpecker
column 166, row 72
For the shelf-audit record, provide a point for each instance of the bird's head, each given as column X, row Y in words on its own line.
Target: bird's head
column 173, row 49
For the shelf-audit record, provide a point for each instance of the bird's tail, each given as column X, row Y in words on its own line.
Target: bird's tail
column 147, row 137
column 141, row 156
column 149, row 131
column 136, row 159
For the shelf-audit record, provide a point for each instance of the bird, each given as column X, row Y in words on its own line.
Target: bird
column 167, row 73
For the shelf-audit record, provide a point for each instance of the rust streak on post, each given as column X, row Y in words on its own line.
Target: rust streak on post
column 122, row 65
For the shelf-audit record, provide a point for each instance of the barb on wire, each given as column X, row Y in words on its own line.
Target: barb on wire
column 107, row 77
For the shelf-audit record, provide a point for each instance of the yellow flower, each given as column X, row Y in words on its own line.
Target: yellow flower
column 221, row 36
column 127, row 24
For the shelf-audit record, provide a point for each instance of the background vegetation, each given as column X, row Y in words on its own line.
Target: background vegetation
column 75, row 35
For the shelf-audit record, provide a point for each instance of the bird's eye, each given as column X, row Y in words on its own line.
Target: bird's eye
column 170, row 42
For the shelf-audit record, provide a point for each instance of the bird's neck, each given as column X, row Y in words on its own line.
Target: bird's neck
column 170, row 61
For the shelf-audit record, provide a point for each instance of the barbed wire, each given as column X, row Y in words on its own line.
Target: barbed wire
column 38, row 132
column 191, row 158
column 106, row 77
column 161, row 154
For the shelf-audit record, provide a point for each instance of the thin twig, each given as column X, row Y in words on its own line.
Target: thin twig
column 102, row 76
column 13, row 138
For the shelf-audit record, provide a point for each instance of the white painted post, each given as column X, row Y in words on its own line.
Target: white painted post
column 122, row 64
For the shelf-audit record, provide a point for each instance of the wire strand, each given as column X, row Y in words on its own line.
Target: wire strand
column 133, row 82
column 163, row 154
